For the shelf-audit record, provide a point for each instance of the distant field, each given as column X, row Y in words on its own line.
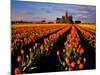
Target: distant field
column 21, row 25
column 88, row 26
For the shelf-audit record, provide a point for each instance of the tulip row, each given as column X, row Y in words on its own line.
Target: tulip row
column 90, row 36
column 24, row 35
column 49, row 41
column 25, row 60
column 72, row 55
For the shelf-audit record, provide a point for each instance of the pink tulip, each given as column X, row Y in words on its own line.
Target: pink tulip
column 22, row 52
column 36, row 44
column 30, row 49
column 84, row 60
column 27, row 56
column 58, row 53
column 64, row 50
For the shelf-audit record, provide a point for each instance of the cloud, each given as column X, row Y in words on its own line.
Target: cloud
column 38, row 17
column 16, row 18
column 23, row 12
column 81, row 16
column 27, row 18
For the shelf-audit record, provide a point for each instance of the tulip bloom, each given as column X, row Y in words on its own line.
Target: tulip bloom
column 67, row 60
column 30, row 49
column 64, row 50
column 45, row 41
column 36, row 45
column 17, row 71
column 81, row 50
column 72, row 64
column 81, row 66
column 22, row 52
column 84, row 60
column 47, row 48
column 78, row 61
column 27, row 56
column 63, row 63
column 19, row 58
column 58, row 53
column 70, row 69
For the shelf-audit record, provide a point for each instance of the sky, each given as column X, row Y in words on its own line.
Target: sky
column 37, row 11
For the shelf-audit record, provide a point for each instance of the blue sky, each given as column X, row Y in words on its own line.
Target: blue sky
column 36, row 11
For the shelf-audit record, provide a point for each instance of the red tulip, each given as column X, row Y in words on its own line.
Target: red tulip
column 45, row 41
column 47, row 48
column 81, row 66
column 70, row 69
column 78, row 61
column 81, row 50
column 72, row 64
column 17, row 71
column 19, row 58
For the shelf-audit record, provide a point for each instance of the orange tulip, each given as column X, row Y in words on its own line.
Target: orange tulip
column 67, row 60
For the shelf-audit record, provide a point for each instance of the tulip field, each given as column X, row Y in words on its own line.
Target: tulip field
column 37, row 48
